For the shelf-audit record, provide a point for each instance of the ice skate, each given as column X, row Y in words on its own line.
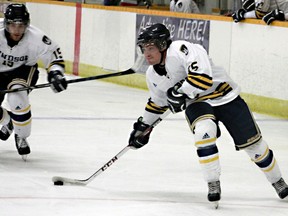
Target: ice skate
column 281, row 188
column 6, row 130
column 22, row 147
column 214, row 193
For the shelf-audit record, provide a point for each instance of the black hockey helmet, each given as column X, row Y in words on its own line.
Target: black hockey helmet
column 16, row 13
column 156, row 34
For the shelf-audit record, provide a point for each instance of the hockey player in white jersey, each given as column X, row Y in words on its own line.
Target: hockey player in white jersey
column 267, row 10
column 181, row 77
column 21, row 46
column 184, row 6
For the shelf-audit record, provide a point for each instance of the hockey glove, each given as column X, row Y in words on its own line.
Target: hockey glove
column 57, row 80
column 176, row 101
column 137, row 138
column 273, row 15
column 147, row 3
column 238, row 15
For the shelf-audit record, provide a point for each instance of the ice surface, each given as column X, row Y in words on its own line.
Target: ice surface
column 76, row 132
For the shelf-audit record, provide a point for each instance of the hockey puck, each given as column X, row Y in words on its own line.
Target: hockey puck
column 58, row 183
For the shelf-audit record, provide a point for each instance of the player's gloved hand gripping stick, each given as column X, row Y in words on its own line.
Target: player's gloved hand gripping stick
column 138, row 63
column 59, row 181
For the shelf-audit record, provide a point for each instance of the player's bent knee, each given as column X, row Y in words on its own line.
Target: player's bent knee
column 258, row 151
column 261, row 154
column 18, row 101
column 265, row 160
column 205, row 133
column 20, row 112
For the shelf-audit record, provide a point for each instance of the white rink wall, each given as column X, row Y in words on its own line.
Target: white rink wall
column 253, row 54
column 58, row 21
column 107, row 39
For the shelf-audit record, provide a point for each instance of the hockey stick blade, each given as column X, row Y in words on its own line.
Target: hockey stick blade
column 63, row 181
column 59, row 181
column 102, row 76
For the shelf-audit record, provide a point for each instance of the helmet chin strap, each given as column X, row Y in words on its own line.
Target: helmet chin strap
column 162, row 56
column 160, row 68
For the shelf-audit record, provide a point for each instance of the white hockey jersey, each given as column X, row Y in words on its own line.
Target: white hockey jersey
column 203, row 81
column 269, row 5
column 185, row 6
column 34, row 46
column 262, row 7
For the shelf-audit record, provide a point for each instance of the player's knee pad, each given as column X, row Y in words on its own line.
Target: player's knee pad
column 205, row 132
column 20, row 112
column 18, row 101
column 265, row 160
column 205, row 141
column 198, row 112
column 258, row 151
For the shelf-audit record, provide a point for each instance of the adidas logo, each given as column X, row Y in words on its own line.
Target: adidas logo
column 155, row 85
column 257, row 156
column 206, row 136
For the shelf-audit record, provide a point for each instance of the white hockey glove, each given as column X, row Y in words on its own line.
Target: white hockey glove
column 273, row 15
column 57, row 80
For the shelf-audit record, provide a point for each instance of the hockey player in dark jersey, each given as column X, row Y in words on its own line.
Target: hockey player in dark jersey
column 21, row 46
column 182, row 77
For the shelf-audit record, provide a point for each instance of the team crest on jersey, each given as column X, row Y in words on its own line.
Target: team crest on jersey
column 46, row 40
column 184, row 49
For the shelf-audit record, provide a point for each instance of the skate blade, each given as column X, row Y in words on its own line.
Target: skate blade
column 216, row 204
column 24, row 157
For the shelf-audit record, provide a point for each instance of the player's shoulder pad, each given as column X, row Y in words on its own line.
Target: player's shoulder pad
column 180, row 46
column 39, row 35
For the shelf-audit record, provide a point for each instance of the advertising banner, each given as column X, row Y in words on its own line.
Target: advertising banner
column 192, row 30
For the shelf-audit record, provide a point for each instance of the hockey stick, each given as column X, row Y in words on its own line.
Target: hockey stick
column 132, row 70
column 59, row 181
column 129, row 71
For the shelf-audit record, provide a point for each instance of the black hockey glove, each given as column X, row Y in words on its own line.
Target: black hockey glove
column 137, row 138
column 273, row 15
column 57, row 80
column 238, row 15
column 147, row 3
column 176, row 101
